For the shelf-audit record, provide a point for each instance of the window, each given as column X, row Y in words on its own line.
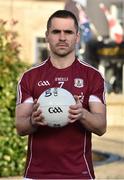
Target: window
column 114, row 76
column 41, row 50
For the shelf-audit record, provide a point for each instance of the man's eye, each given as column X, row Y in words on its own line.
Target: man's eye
column 65, row 31
column 69, row 32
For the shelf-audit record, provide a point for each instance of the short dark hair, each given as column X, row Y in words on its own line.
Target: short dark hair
column 62, row 14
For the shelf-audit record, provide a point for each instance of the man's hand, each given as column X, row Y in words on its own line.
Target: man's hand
column 93, row 120
column 37, row 117
column 28, row 118
column 75, row 111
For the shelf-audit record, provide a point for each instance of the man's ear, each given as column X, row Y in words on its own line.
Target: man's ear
column 78, row 37
column 46, row 33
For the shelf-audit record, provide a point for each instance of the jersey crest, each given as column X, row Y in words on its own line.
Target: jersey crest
column 79, row 83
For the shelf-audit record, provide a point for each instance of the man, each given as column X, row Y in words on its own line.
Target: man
column 61, row 153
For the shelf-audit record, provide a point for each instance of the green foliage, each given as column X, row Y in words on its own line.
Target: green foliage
column 12, row 147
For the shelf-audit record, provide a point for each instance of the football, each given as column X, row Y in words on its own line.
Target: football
column 54, row 103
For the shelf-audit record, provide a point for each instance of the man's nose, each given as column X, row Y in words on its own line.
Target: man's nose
column 62, row 36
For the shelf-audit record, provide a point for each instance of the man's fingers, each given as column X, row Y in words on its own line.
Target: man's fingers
column 77, row 98
column 36, row 105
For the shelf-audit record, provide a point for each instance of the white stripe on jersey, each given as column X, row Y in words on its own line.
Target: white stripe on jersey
column 88, row 65
column 28, row 166
column 29, row 100
column 94, row 99
column 84, row 152
column 19, row 92
column 36, row 66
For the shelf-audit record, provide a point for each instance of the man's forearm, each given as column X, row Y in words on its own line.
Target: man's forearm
column 24, row 126
column 94, row 122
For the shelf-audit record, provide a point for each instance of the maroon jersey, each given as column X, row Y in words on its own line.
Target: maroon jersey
column 65, row 152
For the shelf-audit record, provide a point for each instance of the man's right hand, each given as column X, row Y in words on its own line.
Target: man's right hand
column 37, row 117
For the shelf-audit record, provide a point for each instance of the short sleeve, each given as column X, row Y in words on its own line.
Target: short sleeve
column 97, row 88
column 24, row 90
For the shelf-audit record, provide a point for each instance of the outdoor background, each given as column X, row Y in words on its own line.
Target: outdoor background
column 23, row 45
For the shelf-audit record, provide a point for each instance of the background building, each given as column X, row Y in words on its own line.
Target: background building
column 32, row 16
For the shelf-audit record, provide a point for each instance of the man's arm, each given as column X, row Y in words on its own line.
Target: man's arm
column 94, row 120
column 28, row 118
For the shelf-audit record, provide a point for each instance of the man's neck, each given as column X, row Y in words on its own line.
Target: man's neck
column 62, row 62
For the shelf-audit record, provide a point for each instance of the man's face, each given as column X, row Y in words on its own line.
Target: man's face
column 62, row 36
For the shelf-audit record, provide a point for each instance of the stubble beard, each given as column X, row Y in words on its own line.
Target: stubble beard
column 62, row 53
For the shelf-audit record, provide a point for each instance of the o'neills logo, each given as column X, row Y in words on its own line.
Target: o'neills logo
column 79, row 83
column 55, row 110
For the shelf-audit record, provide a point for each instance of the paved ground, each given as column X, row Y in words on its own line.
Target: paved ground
column 112, row 143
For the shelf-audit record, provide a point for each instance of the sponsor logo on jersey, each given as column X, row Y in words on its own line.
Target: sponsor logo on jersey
column 43, row 83
column 61, row 79
column 79, row 83
column 49, row 93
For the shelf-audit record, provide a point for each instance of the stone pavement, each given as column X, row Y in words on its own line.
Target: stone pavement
column 112, row 144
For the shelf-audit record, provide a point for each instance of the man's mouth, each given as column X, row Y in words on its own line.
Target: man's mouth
column 62, row 45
